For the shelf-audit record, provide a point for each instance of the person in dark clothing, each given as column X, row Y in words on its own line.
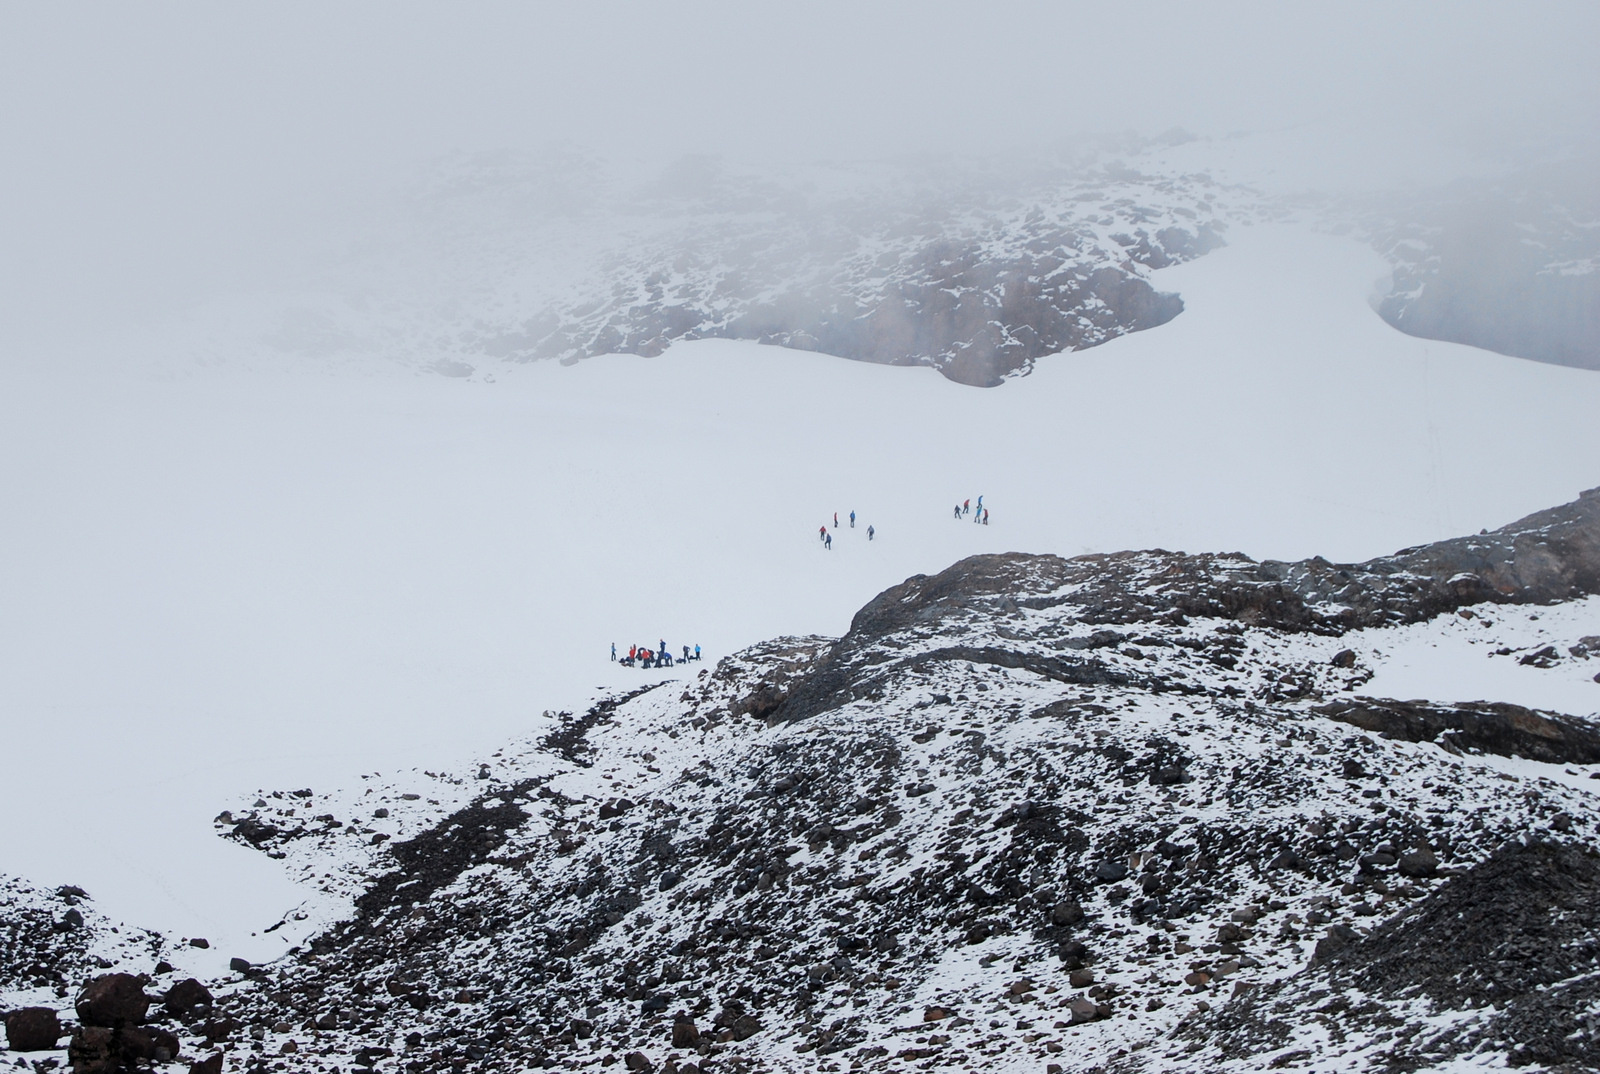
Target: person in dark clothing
column 685, row 654
column 870, row 532
column 985, row 516
column 822, row 533
column 836, row 520
column 827, row 541
column 852, row 520
column 958, row 510
column 613, row 652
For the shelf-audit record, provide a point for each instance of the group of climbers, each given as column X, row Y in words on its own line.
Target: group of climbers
column 980, row 515
column 659, row 657
column 827, row 538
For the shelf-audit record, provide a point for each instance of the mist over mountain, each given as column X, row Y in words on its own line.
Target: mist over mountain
column 707, row 538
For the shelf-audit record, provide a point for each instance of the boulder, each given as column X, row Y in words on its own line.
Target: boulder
column 638, row 1061
column 134, row 1042
column 32, row 1029
column 211, row 1064
column 684, row 1034
column 112, row 1000
column 186, row 999
column 92, row 1051
column 164, row 1045
column 1066, row 912
column 1419, row 863
column 1338, row 937
column 1111, row 871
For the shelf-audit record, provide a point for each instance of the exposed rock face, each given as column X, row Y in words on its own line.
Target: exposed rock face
column 1115, row 813
column 1514, row 270
column 975, row 269
column 1028, row 811
column 979, row 300
column 1551, row 555
column 1509, row 730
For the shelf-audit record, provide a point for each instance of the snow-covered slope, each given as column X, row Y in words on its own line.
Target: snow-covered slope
column 233, row 579
column 1099, row 813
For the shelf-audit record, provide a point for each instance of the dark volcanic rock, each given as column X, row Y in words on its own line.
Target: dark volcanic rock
column 92, row 1050
column 988, row 776
column 1513, row 937
column 113, row 999
column 1547, row 556
column 32, row 1029
column 978, row 294
column 186, row 999
column 1504, row 729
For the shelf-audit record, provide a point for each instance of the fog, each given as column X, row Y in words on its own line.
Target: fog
column 157, row 155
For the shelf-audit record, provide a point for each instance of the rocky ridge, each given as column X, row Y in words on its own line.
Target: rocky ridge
column 974, row 269
column 1111, row 813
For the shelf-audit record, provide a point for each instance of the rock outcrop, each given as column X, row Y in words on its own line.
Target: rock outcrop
column 1113, row 813
column 1551, row 555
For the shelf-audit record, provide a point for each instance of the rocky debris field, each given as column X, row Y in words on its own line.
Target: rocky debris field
column 1114, row 813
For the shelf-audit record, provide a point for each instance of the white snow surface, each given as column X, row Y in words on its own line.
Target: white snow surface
column 228, row 578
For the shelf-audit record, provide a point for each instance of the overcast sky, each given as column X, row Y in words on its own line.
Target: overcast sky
column 148, row 147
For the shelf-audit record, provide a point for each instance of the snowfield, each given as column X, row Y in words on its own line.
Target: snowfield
column 215, row 579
